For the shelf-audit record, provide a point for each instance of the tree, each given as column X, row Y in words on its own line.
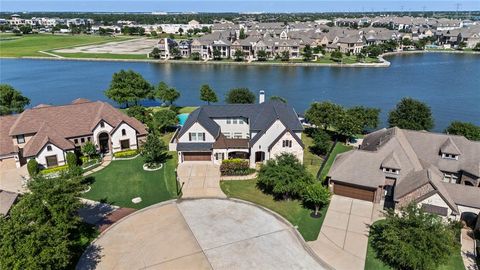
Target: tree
column 285, row 56
column 11, row 100
column 44, row 225
column 477, row 47
column 262, row 55
column 154, row 150
column 217, row 55
column 278, row 98
column 180, row 30
column 25, row 29
column 316, row 195
column 240, row 96
column 324, row 114
column 163, row 119
column 413, row 239
column 242, row 34
column 411, row 114
column 469, row 130
column 238, row 55
column 139, row 113
column 284, row 177
column 336, row 56
column 166, row 93
column 347, row 125
column 176, row 53
column 368, row 118
column 207, row 94
column 462, row 45
column 195, row 56
column 360, row 57
column 89, row 149
column 71, row 160
column 128, row 86
column 32, row 167
column 307, row 53
column 321, row 142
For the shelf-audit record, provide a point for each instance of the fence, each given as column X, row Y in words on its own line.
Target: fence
column 319, row 173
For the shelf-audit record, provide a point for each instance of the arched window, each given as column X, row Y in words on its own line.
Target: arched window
column 124, row 132
column 49, row 148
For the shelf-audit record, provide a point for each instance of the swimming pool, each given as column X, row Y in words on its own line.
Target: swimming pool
column 182, row 118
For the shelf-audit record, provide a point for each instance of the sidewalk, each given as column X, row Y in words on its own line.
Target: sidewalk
column 468, row 250
column 106, row 160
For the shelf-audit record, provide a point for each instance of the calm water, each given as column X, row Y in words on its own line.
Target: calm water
column 449, row 83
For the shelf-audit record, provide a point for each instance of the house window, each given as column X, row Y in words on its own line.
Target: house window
column 450, row 178
column 196, row 136
column 75, row 141
column 226, row 134
column 449, row 156
column 124, row 132
column 229, row 121
column 287, row 143
column 82, row 140
column 237, row 135
column 390, row 170
column 102, row 125
column 20, row 139
column 89, row 138
column 219, row 156
column 240, row 121
column 234, row 121
column 49, row 148
column 125, row 144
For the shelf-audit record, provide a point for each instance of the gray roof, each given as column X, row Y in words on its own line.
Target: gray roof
column 464, row 195
column 194, row 147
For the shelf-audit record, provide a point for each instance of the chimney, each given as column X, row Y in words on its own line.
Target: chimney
column 261, row 97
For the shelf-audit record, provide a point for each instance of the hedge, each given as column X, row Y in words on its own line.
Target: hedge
column 234, row 167
column 54, row 169
column 125, row 154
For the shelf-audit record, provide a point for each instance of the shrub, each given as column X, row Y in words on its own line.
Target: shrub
column 316, row 195
column 321, row 142
column 125, row 153
column 32, row 167
column 89, row 149
column 71, row 160
column 54, row 169
column 154, row 150
column 235, row 167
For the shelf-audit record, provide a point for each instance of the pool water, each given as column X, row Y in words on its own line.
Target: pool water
column 182, row 118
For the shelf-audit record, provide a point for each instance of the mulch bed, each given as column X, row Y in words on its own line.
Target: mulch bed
column 113, row 217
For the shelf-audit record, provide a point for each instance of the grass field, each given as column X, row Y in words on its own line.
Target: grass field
column 29, row 45
column 311, row 161
column 102, row 55
column 121, row 181
column 292, row 210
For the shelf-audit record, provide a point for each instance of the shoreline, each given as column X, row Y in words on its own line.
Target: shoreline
column 382, row 64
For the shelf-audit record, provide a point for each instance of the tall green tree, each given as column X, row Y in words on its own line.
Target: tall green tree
column 128, row 86
column 368, row 118
column 284, row 177
column 324, row 114
column 43, row 229
column 413, row 239
column 347, row 125
column 307, row 53
column 166, row 93
column 238, row 55
column 316, row 195
column 11, row 100
column 411, row 114
column 242, row 34
column 262, row 55
column 336, row 56
column 207, row 94
column 163, row 119
column 217, row 55
column 154, row 150
column 469, row 130
column 240, row 96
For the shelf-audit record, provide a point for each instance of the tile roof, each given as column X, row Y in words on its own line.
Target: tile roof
column 6, row 142
column 7, row 199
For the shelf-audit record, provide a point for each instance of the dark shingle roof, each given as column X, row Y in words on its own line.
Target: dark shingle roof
column 194, row 147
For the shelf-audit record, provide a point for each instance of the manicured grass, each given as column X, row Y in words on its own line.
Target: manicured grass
column 121, row 181
column 455, row 261
column 29, row 45
column 102, row 55
column 292, row 210
column 88, row 233
column 311, row 161
column 339, row 148
column 187, row 109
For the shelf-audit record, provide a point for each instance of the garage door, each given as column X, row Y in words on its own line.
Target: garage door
column 353, row 192
column 7, row 163
column 197, row 156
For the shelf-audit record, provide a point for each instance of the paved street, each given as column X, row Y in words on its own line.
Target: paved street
column 200, row 234
column 200, row 179
column 13, row 179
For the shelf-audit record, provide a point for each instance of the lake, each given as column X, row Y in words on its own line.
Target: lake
column 449, row 83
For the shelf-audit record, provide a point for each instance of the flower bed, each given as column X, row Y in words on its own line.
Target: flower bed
column 125, row 154
column 235, row 167
column 54, row 169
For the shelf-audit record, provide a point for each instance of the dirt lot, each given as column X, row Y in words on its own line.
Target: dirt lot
column 135, row 46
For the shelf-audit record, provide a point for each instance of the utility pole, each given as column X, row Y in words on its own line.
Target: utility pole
column 458, row 7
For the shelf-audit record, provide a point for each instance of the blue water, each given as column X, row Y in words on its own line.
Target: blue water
column 182, row 118
column 449, row 83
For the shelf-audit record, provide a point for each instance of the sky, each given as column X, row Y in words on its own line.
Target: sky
column 237, row 6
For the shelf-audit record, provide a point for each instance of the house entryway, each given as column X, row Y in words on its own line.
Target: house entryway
column 259, row 156
column 104, row 141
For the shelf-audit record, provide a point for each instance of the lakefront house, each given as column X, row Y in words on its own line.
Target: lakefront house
column 46, row 133
column 394, row 167
column 254, row 132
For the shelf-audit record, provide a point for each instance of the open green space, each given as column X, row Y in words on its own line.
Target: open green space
column 339, row 148
column 373, row 263
column 311, row 161
column 123, row 180
column 29, row 45
column 102, row 55
column 292, row 210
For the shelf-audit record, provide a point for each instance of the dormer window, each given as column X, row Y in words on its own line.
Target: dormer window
column 391, row 170
column 20, row 139
column 449, row 156
column 102, row 125
column 49, row 148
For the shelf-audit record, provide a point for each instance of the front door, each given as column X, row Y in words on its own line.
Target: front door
column 52, row 161
column 259, row 156
column 103, row 141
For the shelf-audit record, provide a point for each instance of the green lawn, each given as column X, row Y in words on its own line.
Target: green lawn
column 102, row 55
column 373, row 263
column 121, row 181
column 339, row 148
column 311, row 161
column 292, row 210
column 29, row 45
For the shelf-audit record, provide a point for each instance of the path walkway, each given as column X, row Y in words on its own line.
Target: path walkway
column 343, row 238
column 200, row 180
column 51, row 54
column 468, row 250
column 105, row 162
column 200, row 234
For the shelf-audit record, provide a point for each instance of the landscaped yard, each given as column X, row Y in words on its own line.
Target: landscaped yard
column 29, row 45
column 372, row 263
column 339, row 148
column 311, row 161
column 121, row 181
column 292, row 210
column 103, row 55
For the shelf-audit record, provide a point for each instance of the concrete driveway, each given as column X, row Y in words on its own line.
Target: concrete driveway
column 343, row 238
column 200, row 234
column 13, row 179
column 200, row 179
